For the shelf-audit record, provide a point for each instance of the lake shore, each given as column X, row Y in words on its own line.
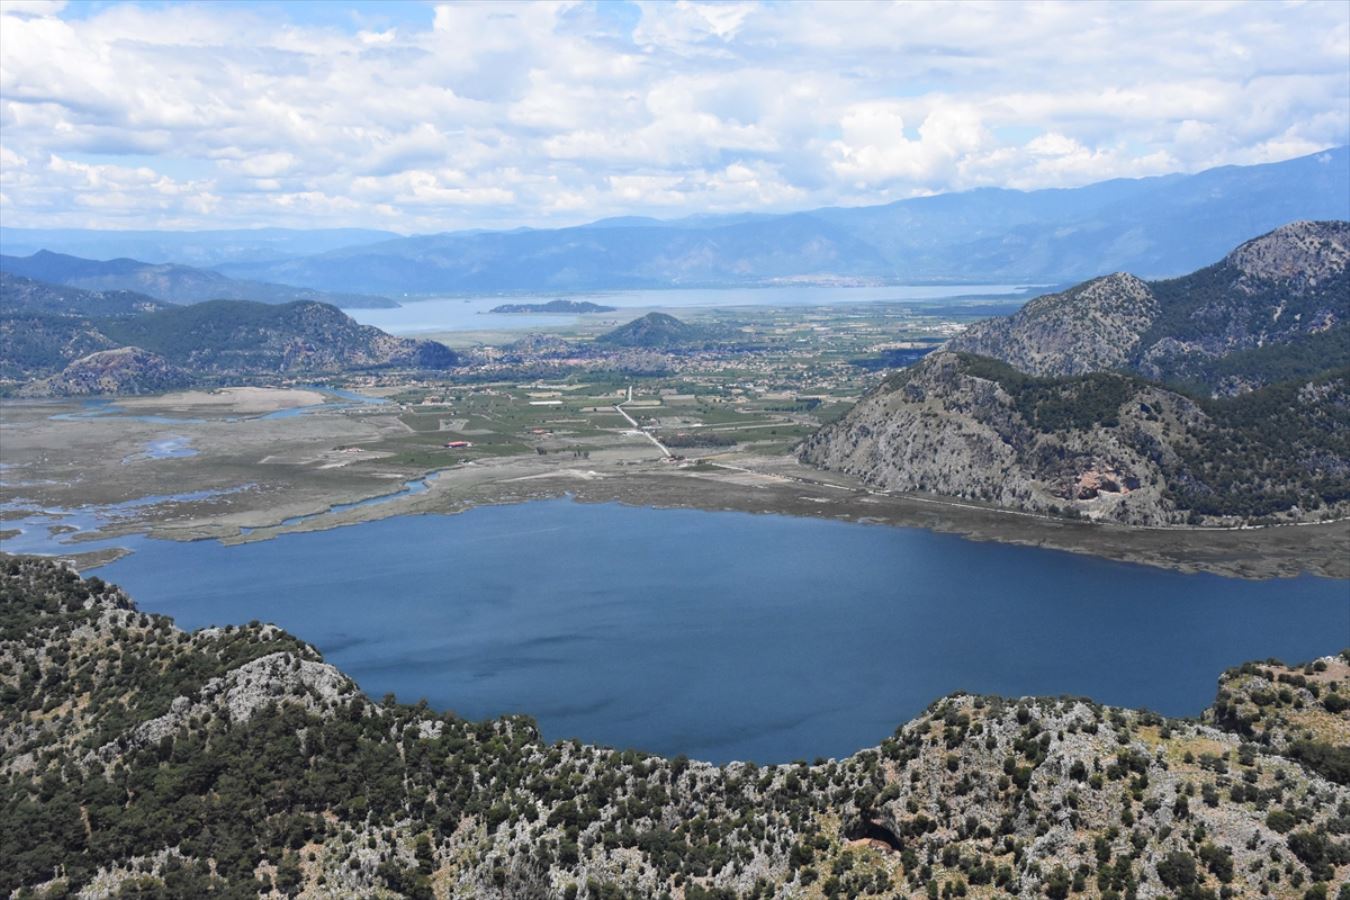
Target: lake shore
column 783, row 487
column 251, row 475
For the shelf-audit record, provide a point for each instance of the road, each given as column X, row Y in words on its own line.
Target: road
column 647, row 434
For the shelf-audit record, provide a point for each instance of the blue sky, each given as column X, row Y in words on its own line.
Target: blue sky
column 424, row 116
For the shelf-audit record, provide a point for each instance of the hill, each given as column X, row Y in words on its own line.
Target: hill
column 142, row 760
column 1155, row 227
column 1218, row 398
column 554, row 306
column 25, row 295
column 35, row 346
column 215, row 339
column 1105, row 445
column 1282, row 300
column 169, row 282
column 231, row 336
column 657, row 331
column 125, row 370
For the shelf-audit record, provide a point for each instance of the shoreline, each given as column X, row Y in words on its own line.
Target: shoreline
column 1280, row 551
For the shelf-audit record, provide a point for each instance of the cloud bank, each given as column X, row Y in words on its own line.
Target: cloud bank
column 465, row 115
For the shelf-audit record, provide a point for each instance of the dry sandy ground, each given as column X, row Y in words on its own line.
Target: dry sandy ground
column 242, row 401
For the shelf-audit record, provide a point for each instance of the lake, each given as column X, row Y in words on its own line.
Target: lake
column 728, row 635
column 472, row 313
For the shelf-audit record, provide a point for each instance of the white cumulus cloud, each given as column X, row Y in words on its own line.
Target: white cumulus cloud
column 494, row 114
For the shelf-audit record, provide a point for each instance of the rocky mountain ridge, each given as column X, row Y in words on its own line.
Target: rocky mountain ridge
column 26, row 295
column 1096, row 401
column 1271, row 292
column 137, row 758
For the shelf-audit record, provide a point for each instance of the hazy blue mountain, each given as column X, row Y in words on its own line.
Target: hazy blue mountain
column 1154, row 227
column 587, row 257
column 167, row 281
column 196, row 248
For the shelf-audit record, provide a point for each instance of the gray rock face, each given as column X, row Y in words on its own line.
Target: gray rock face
column 1093, row 327
column 1276, row 289
column 125, row 370
column 940, row 429
column 241, row 693
column 1301, row 253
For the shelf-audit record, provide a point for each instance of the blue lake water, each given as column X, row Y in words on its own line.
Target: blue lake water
column 726, row 635
column 473, row 313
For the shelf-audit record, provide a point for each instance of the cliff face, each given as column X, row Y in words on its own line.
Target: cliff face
column 135, row 757
column 1106, row 446
column 946, row 427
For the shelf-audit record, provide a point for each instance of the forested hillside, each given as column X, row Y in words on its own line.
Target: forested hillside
column 139, row 760
column 47, row 333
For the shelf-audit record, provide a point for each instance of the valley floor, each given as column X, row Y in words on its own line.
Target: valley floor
column 249, row 464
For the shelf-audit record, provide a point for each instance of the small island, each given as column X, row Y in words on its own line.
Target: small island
column 554, row 306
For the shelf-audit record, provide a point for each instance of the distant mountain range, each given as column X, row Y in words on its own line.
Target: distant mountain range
column 1219, row 398
column 1155, row 227
column 168, row 281
column 193, row 248
column 62, row 341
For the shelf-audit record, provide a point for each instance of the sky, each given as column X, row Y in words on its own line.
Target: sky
column 425, row 117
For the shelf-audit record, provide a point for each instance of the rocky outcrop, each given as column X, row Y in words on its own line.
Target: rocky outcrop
column 126, row 370
column 1270, row 293
column 944, row 427
column 1044, row 411
column 240, row 694
column 1093, row 327
column 1301, row 255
